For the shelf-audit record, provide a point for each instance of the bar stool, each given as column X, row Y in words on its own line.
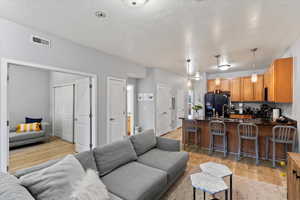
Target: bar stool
column 248, row 131
column 196, row 131
column 217, row 128
column 282, row 135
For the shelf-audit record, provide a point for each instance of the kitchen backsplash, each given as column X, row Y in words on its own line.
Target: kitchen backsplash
column 286, row 108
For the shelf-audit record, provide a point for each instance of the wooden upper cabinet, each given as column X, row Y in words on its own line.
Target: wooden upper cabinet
column 258, row 89
column 269, row 83
column 279, row 81
column 225, row 85
column 247, row 89
column 283, row 76
column 211, row 85
column 235, row 89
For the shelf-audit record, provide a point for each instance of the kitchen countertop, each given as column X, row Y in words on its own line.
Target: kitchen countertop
column 258, row 121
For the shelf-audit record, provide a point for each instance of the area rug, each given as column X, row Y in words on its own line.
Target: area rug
column 243, row 189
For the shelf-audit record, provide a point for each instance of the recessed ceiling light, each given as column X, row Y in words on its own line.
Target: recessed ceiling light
column 136, row 3
column 100, row 14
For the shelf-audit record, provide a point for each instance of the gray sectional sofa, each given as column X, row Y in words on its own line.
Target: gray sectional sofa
column 20, row 139
column 142, row 167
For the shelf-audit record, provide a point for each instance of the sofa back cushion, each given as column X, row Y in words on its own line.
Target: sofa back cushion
column 10, row 189
column 85, row 158
column 56, row 181
column 114, row 155
column 144, row 142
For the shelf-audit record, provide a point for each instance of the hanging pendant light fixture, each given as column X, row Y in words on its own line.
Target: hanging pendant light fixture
column 254, row 75
column 189, row 81
column 222, row 66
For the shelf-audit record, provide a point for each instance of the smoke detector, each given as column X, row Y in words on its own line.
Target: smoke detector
column 136, row 3
column 100, row 14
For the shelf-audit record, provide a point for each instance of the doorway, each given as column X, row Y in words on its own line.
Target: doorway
column 84, row 130
column 116, row 114
column 180, row 107
column 164, row 107
column 63, row 119
column 130, row 109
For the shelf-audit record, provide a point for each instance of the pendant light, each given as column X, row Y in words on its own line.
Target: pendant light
column 189, row 81
column 218, row 81
column 223, row 66
column 254, row 75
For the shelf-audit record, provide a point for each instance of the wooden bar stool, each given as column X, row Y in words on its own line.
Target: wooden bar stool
column 217, row 128
column 196, row 131
column 248, row 131
column 282, row 135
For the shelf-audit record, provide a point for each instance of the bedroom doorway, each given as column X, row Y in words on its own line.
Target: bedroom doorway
column 130, row 109
column 63, row 109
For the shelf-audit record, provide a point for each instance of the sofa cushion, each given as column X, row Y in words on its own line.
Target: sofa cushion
column 10, row 189
column 56, row 181
column 14, row 137
column 143, row 142
column 85, row 158
column 135, row 181
column 112, row 156
column 35, row 168
column 170, row 162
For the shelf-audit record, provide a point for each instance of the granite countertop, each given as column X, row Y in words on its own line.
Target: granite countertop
column 258, row 121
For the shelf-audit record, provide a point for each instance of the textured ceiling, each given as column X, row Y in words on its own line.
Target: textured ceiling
column 163, row 33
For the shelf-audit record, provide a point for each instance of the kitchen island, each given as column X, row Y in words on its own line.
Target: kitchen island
column 264, row 126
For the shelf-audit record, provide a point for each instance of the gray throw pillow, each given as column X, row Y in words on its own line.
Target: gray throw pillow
column 54, row 182
column 114, row 155
column 144, row 142
column 10, row 188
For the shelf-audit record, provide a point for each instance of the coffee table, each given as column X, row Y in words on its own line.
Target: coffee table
column 218, row 170
column 207, row 183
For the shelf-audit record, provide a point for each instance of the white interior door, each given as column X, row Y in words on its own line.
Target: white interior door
column 163, row 113
column 63, row 112
column 180, row 107
column 82, row 115
column 116, row 101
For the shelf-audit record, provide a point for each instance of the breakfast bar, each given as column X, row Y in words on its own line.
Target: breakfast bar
column 202, row 139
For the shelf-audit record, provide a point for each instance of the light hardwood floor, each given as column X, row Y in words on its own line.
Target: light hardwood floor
column 246, row 167
column 36, row 154
column 29, row 156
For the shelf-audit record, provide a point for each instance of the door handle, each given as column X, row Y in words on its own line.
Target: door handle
column 164, row 113
column 75, row 119
column 111, row 119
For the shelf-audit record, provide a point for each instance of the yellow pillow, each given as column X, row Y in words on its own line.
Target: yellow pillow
column 28, row 127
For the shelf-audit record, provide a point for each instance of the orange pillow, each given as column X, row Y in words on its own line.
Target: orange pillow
column 28, row 127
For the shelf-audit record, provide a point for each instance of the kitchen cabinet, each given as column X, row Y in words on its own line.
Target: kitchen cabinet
column 279, row 81
column 225, row 85
column 211, row 85
column 258, row 89
column 293, row 176
column 247, row 89
column 235, row 89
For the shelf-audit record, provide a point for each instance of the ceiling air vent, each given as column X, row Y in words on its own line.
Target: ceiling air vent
column 40, row 41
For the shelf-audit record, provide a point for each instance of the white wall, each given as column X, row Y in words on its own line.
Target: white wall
column 28, row 95
column 63, row 78
column 149, row 85
column 294, row 51
column 200, row 89
column 15, row 44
